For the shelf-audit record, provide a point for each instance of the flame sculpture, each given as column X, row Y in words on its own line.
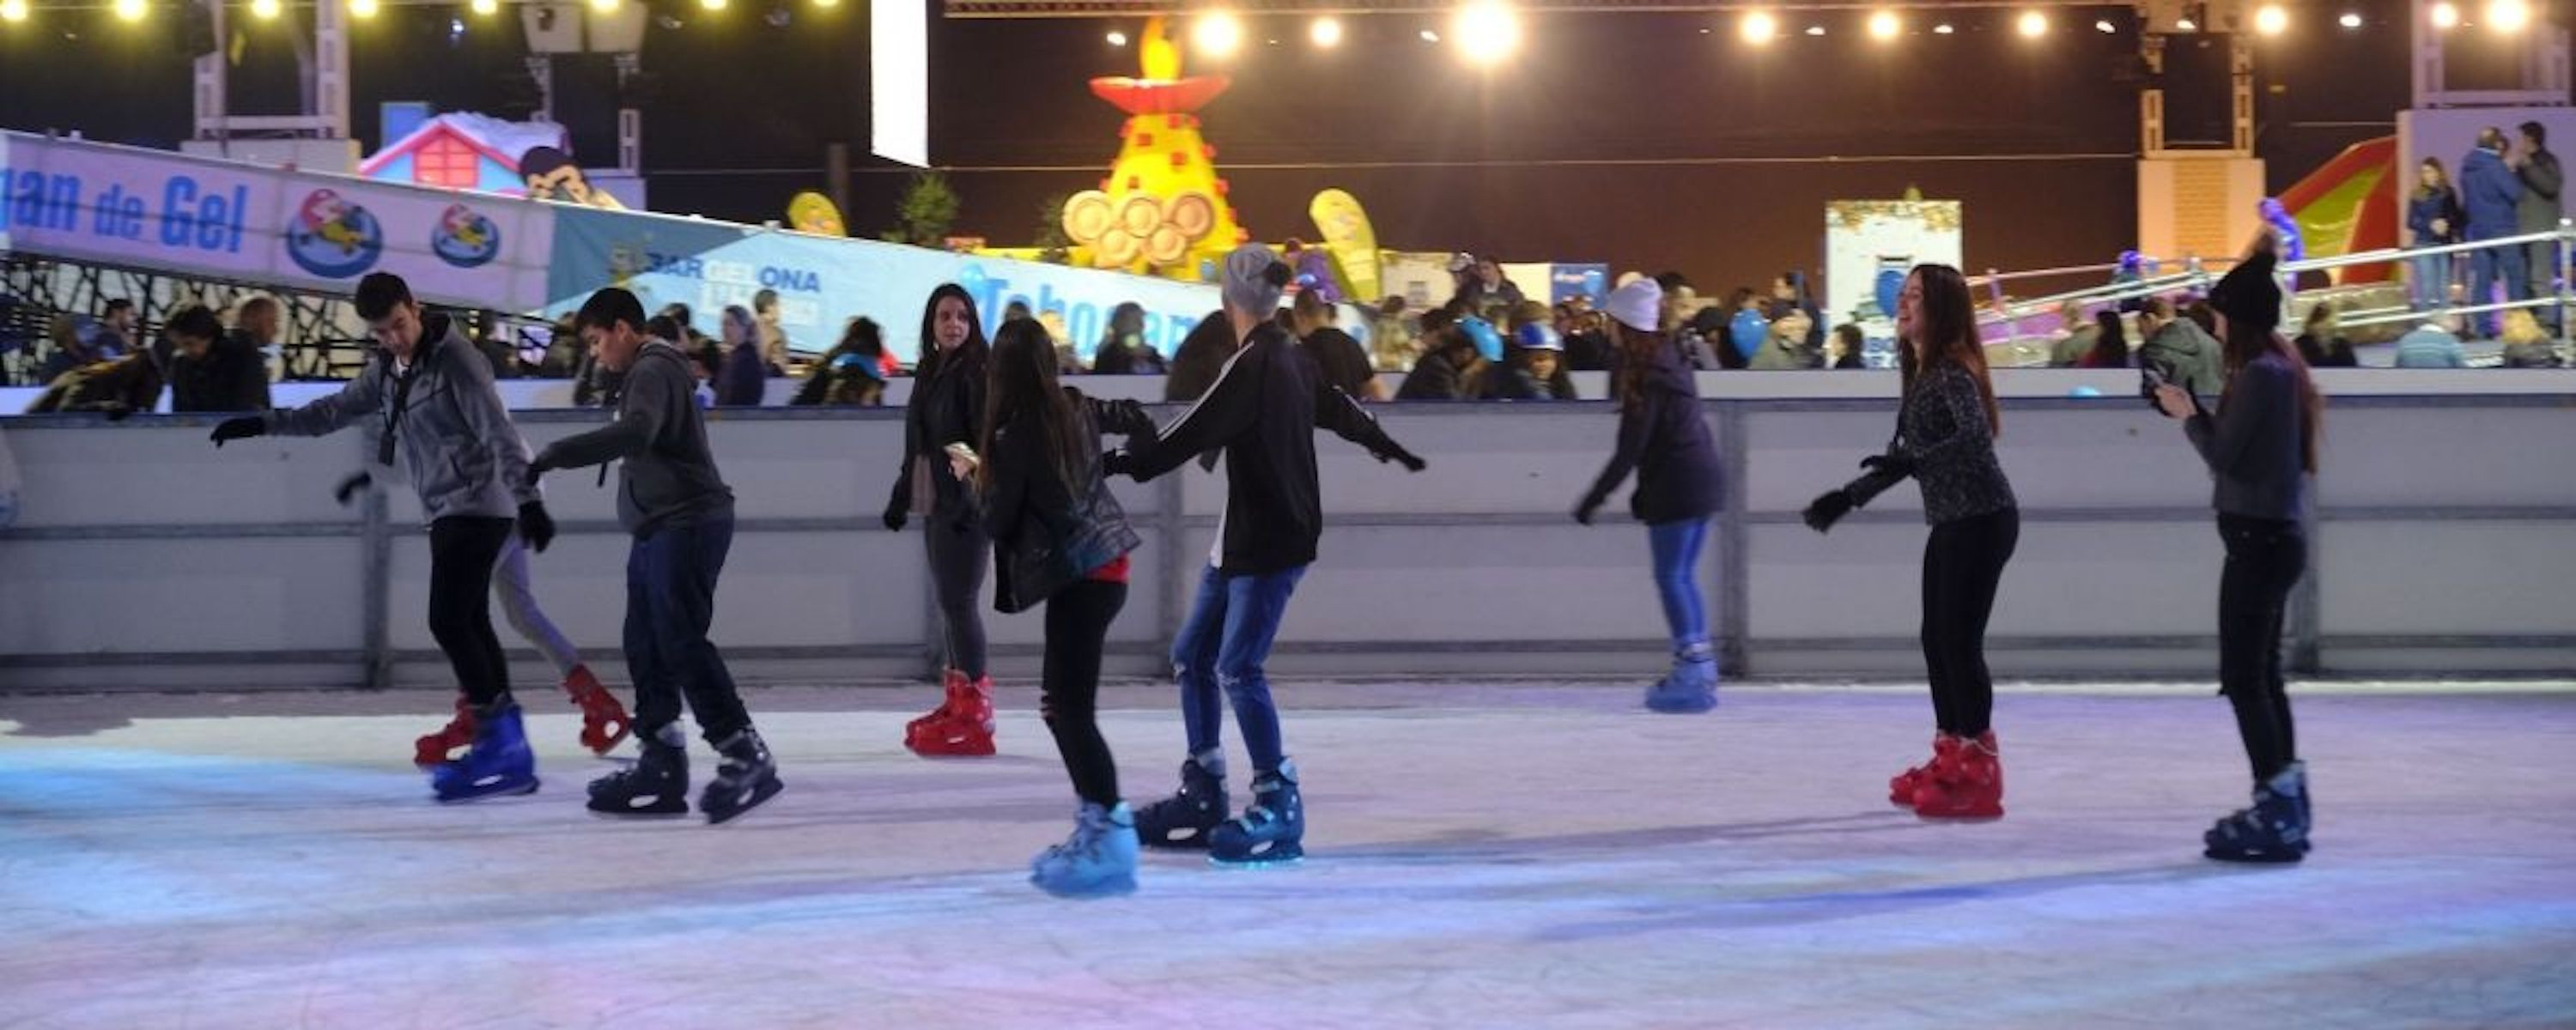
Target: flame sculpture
column 1162, row 210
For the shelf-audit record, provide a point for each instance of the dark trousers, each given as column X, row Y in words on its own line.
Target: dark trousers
column 2489, row 269
column 1077, row 626
column 461, row 552
column 1223, row 647
column 958, row 558
column 670, row 603
column 1963, row 562
column 2265, row 558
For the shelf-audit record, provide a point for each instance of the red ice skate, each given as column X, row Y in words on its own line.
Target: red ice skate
column 604, row 723
column 962, row 726
column 1901, row 787
column 1964, row 781
column 436, row 748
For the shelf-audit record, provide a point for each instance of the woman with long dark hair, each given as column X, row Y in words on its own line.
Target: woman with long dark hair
column 2434, row 215
column 1945, row 439
column 2110, row 343
column 1061, row 540
column 1664, row 439
column 2261, row 448
column 947, row 408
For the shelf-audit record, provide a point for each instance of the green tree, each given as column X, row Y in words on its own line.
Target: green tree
column 1053, row 245
column 926, row 213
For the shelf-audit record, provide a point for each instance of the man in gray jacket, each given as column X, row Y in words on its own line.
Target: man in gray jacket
column 2178, row 350
column 680, row 513
column 441, row 415
column 2538, row 211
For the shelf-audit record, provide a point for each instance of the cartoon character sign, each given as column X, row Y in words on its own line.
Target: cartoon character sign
column 551, row 175
column 464, row 238
column 332, row 237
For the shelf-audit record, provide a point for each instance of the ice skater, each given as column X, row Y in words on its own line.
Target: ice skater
column 2261, row 448
column 444, row 418
column 1665, row 441
column 604, row 722
column 1060, row 540
column 1262, row 411
column 946, row 411
column 671, row 499
column 1945, row 439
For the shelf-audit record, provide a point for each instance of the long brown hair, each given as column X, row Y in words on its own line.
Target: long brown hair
column 2245, row 343
column 1948, row 336
column 2435, row 164
column 1021, row 386
column 1639, row 350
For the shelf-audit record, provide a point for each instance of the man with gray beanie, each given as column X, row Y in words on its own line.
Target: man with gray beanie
column 1262, row 411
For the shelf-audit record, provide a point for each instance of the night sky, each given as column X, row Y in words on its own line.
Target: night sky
column 1633, row 139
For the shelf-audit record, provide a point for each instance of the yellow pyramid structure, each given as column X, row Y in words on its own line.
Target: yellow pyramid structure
column 1162, row 210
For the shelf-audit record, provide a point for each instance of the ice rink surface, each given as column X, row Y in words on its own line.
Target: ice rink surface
column 1483, row 855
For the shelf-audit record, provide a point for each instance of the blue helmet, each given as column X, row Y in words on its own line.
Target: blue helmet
column 1488, row 343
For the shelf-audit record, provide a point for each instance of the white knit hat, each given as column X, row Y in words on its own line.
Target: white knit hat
column 1638, row 305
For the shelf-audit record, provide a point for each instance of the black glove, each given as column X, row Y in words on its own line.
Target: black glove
column 348, row 488
column 536, row 470
column 1585, row 508
column 1117, row 463
column 898, row 511
column 1396, row 453
column 1889, row 464
column 1828, row 509
column 535, row 526
column 241, row 428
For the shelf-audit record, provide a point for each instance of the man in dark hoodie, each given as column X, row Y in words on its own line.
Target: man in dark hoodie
column 2492, row 195
column 2178, row 349
column 1262, row 411
column 212, row 371
column 441, row 415
column 680, row 512
column 2538, row 211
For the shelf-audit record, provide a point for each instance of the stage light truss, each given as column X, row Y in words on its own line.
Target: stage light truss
column 1185, row 8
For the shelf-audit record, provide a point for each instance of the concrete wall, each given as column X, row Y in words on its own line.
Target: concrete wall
column 2447, row 543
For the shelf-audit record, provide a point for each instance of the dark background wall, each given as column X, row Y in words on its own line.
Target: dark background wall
column 1634, row 139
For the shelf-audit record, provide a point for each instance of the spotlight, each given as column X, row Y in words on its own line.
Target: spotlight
column 603, row 6
column 2508, row 16
column 266, row 10
column 1429, row 36
column 2186, row 25
column 1325, row 32
column 2031, row 24
column 1486, row 31
column 131, row 10
column 1815, row 30
column 2105, row 27
column 1943, row 29
column 1758, row 27
column 2350, row 20
column 2446, row 16
column 1884, row 25
column 712, row 5
column 357, row 8
column 1216, row 33
column 827, row 3
column 487, row 8
column 1116, row 38
column 13, row 11
column 2271, row 19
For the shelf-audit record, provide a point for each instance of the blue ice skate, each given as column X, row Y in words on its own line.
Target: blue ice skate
column 2274, row 830
column 1270, row 832
column 1098, row 861
column 1692, row 685
column 499, row 763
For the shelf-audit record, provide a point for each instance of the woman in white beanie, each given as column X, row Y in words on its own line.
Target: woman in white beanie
column 1679, row 486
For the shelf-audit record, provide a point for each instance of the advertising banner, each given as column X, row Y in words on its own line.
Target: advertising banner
column 1566, row 282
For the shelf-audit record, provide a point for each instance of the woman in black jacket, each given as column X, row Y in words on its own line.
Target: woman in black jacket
column 1665, row 441
column 2261, row 448
column 947, row 407
column 1060, row 539
column 1945, row 440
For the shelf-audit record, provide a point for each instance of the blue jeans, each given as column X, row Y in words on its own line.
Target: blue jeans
column 1222, row 647
column 1676, row 547
column 670, row 603
column 2430, row 285
column 2485, row 267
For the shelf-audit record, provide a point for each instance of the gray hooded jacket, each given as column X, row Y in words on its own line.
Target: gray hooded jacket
column 455, row 439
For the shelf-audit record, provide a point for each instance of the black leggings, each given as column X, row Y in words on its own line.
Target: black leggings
column 1077, row 625
column 2265, row 558
column 461, row 552
column 1963, row 562
column 957, row 562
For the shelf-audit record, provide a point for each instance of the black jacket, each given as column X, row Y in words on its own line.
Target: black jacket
column 1045, row 537
column 946, row 408
column 1664, row 439
column 233, row 376
column 1508, row 382
column 1435, row 378
column 1263, row 410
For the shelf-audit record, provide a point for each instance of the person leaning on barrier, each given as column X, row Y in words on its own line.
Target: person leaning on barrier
column 212, row 371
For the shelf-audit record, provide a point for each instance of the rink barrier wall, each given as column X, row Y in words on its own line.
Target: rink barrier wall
column 2445, row 544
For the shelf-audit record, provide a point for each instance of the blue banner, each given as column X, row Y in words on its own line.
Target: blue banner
column 1566, row 282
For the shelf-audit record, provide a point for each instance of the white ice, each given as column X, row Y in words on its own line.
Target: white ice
column 1483, row 856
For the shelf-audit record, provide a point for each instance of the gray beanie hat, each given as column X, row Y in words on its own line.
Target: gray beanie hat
column 1254, row 279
